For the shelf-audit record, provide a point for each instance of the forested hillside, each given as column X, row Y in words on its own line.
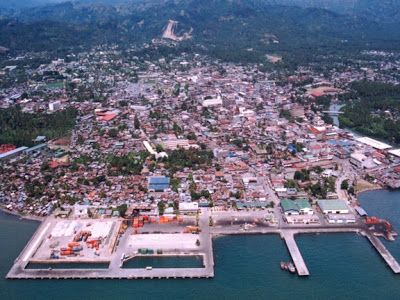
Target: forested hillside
column 376, row 112
column 232, row 30
column 19, row 128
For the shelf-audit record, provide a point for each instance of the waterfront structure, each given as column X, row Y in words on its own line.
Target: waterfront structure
column 296, row 207
column 289, row 207
column 333, row 206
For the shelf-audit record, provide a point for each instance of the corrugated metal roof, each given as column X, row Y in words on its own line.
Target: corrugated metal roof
column 332, row 205
column 361, row 211
column 15, row 151
column 288, row 205
column 159, row 180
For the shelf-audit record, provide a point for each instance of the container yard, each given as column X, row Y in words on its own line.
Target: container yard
column 76, row 240
column 68, row 248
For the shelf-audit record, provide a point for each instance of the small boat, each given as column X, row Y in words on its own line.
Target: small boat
column 288, row 266
column 149, row 268
column 291, row 268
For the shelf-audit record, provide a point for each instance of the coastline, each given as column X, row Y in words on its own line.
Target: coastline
column 370, row 189
column 25, row 217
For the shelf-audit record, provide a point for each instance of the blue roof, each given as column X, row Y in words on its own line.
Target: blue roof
column 158, row 183
column 159, row 180
column 342, row 143
column 361, row 211
column 292, row 148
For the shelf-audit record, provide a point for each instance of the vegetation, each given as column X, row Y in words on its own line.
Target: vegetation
column 191, row 158
column 136, row 122
column 122, row 209
column 376, row 112
column 303, row 175
column 321, row 188
column 130, row 164
column 20, row 129
column 161, row 207
column 241, row 31
column 344, row 185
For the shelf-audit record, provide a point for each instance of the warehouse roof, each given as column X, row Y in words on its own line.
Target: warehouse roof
column 373, row 143
column 303, row 203
column 332, row 205
column 289, row 205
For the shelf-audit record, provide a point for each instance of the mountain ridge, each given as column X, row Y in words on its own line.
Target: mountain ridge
column 228, row 29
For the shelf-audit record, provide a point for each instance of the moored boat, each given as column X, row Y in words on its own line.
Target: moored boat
column 291, row 268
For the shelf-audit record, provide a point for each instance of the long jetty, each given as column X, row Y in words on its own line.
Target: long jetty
column 386, row 255
column 295, row 253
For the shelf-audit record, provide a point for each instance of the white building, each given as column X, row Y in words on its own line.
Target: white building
column 81, row 211
column 53, row 106
column 358, row 159
column 333, row 206
column 188, row 207
column 212, row 102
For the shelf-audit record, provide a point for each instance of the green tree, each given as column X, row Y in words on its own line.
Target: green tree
column 122, row 209
column 136, row 122
column 113, row 132
column 344, row 185
column 161, row 207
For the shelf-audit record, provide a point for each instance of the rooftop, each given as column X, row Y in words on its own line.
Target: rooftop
column 332, row 204
column 373, row 143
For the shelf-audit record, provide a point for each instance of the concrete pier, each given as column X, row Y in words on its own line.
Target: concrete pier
column 115, row 268
column 386, row 255
column 295, row 253
column 109, row 274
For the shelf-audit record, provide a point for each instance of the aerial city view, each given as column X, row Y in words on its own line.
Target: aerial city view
column 200, row 149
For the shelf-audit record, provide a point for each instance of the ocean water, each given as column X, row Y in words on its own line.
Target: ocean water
column 342, row 266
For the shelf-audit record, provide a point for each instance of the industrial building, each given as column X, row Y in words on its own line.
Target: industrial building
column 296, row 207
column 373, row 143
column 333, row 206
column 188, row 207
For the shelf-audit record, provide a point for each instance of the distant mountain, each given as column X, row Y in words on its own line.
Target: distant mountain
column 18, row 4
column 240, row 30
column 378, row 10
column 387, row 11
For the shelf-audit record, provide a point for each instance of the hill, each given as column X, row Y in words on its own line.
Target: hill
column 235, row 30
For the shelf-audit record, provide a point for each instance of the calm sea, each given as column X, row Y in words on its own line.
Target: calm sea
column 342, row 266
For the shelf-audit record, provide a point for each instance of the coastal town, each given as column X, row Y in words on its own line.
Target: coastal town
column 165, row 153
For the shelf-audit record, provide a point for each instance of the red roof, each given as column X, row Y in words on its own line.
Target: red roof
column 55, row 164
column 6, row 147
column 107, row 117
